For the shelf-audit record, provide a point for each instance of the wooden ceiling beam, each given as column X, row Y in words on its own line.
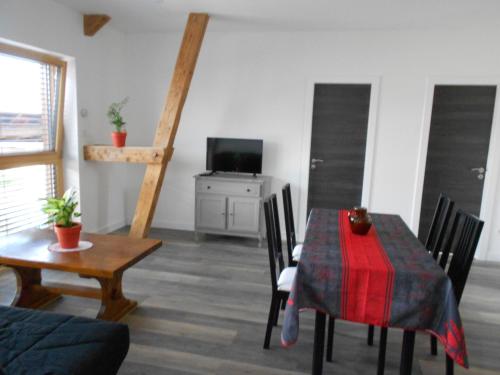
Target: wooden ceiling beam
column 92, row 23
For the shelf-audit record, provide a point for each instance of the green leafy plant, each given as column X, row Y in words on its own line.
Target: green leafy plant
column 115, row 116
column 62, row 210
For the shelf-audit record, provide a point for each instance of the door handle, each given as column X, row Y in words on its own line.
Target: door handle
column 317, row 160
column 479, row 170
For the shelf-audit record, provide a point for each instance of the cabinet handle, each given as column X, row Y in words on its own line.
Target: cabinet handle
column 248, row 190
column 223, row 214
column 208, row 187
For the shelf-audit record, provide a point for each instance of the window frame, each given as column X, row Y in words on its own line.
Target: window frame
column 43, row 157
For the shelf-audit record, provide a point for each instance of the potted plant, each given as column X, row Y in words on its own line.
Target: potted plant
column 61, row 212
column 116, row 119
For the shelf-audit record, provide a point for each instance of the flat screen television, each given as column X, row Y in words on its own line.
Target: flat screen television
column 234, row 155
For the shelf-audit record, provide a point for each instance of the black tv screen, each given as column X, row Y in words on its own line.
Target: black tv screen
column 234, row 155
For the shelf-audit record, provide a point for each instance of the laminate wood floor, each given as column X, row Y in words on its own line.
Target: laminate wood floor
column 203, row 310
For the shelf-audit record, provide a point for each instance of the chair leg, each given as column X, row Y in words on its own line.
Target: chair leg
column 434, row 346
column 371, row 332
column 407, row 353
column 329, row 342
column 270, row 321
column 277, row 311
column 319, row 343
column 450, row 366
column 382, row 350
column 283, row 303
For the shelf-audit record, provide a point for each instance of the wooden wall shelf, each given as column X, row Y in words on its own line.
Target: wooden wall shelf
column 144, row 155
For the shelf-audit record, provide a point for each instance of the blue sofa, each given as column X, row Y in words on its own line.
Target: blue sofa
column 42, row 343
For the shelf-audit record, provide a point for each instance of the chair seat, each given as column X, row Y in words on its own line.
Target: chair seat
column 286, row 279
column 297, row 251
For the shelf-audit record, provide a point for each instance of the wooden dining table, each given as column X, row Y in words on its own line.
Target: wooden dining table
column 385, row 278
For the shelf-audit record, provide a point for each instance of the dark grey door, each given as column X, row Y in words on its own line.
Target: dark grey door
column 338, row 145
column 458, row 148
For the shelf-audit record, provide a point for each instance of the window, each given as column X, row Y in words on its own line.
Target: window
column 31, row 108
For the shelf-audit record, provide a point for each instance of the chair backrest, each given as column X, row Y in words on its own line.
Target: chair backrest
column 275, row 256
column 291, row 240
column 276, row 222
column 462, row 243
column 439, row 225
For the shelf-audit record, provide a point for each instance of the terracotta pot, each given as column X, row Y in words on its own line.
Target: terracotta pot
column 68, row 237
column 118, row 138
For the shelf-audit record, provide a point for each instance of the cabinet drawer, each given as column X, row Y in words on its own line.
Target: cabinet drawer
column 230, row 188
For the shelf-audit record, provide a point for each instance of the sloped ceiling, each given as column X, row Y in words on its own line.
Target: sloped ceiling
column 132, row 16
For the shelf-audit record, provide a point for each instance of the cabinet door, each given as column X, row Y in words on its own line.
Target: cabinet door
column 243, row 214
column 211, row 211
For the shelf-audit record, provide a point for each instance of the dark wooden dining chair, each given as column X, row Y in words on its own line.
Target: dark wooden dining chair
column 439, row 225
column 463, row 250
column 436, row 236
column 277, row 226
column 464, row 237
column 462, row 243
column 293, row 249
column 433, row 244
column 281, row 276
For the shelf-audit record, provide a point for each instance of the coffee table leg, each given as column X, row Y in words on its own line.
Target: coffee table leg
column 114, row 305
column 30, row 292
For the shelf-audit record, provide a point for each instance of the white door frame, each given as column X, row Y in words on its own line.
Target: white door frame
column 492, row 164
column 374, row 81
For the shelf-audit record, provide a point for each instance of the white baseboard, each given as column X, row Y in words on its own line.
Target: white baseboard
column 492, row 256
column 111, row 227
column 166, row 224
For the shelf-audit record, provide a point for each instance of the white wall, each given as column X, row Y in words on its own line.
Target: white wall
column 255, row 85
column 96, row 64
column 246, row 84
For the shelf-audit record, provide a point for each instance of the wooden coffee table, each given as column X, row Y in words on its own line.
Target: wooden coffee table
column 27, row 253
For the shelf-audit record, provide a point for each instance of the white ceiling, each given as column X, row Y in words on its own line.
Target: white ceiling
column 168, row 15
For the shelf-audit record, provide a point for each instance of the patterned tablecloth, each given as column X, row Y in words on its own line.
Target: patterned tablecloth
column 385, row 278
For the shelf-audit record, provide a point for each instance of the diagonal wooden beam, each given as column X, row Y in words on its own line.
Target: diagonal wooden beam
column 169, row 122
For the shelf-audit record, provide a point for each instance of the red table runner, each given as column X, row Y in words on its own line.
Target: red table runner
column 367, row 276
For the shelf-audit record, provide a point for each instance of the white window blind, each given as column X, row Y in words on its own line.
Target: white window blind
column 20, row 193
column 28, row 124
column 28, row 105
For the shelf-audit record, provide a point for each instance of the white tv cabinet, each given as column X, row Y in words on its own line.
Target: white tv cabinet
column 231, row 204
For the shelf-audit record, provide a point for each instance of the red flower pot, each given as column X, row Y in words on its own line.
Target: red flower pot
column 68, row 237
column 119, row 138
